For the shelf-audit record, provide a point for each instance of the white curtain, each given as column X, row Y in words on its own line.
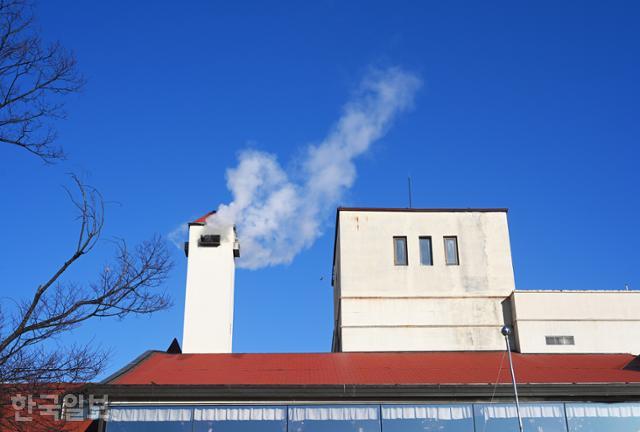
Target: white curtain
column 603, row 410
column 435, row 412
column 238, row 413
column 118, row 414
column 503, row 411
column 333, row 413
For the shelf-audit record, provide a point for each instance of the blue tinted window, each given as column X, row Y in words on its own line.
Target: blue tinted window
column 535, row 417
column 592, row 417
column 419, row 418
column 240, row 419
column 400, row 250
column 149, row 419
column 334, row 418
column 426, row 256
column 451, row 250
column 149, row 426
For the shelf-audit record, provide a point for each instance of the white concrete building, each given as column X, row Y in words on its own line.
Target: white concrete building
column 577, row 321
column 442, row 280
column 405, row 280
column 421, row 279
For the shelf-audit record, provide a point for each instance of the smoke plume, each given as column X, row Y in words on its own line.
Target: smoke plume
column 276, row 216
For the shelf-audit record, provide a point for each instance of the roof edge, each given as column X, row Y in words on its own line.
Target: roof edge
column 132, row 364
column 569, row 391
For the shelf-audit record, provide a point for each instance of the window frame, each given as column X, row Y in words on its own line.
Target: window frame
column 425, row 237
column 406, row 252
column 446, row 255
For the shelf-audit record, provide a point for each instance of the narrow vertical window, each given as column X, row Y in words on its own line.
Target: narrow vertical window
column 451, row 250
column 426, row 256
column 400, row 251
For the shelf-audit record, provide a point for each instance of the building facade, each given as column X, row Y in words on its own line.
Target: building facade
column 421, row 279
column 443, row 280
column 373, row 392
column 577, row 321
column 420, row 297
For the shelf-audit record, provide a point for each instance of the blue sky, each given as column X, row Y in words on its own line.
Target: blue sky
column 528, row 106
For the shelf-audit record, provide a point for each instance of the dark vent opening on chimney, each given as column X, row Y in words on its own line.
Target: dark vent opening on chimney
column 209, row 240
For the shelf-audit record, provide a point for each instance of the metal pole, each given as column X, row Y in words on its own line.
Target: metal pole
column 409, row 181
column 506, row 331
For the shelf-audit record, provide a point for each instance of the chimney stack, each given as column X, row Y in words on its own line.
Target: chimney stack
column 208, row 308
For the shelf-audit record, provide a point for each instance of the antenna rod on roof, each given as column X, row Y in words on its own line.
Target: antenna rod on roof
column 506, row 331
column 410, row 203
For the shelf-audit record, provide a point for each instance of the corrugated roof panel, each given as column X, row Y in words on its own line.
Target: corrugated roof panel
column 378, row 368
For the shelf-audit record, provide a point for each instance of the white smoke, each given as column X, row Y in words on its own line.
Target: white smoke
column 277, row 217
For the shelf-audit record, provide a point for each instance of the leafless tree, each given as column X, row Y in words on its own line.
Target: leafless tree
column 31, row 355
column 34, row 78
column 34, row 357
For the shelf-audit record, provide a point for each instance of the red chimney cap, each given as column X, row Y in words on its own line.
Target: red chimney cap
column 203, row 219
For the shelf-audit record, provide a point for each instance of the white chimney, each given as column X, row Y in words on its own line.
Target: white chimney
column 208, row 308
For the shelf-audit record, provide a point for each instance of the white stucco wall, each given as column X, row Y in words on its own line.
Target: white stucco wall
column 418, row 323
column 208, row 313
column 366, row 253
column 599, row 321
column 450, row 338
column 440, row 307
column 417, row 311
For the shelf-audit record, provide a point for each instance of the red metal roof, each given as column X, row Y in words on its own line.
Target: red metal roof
column 394, row 368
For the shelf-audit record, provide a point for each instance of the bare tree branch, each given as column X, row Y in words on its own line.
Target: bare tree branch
column 128, row 286
column 34, row 78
